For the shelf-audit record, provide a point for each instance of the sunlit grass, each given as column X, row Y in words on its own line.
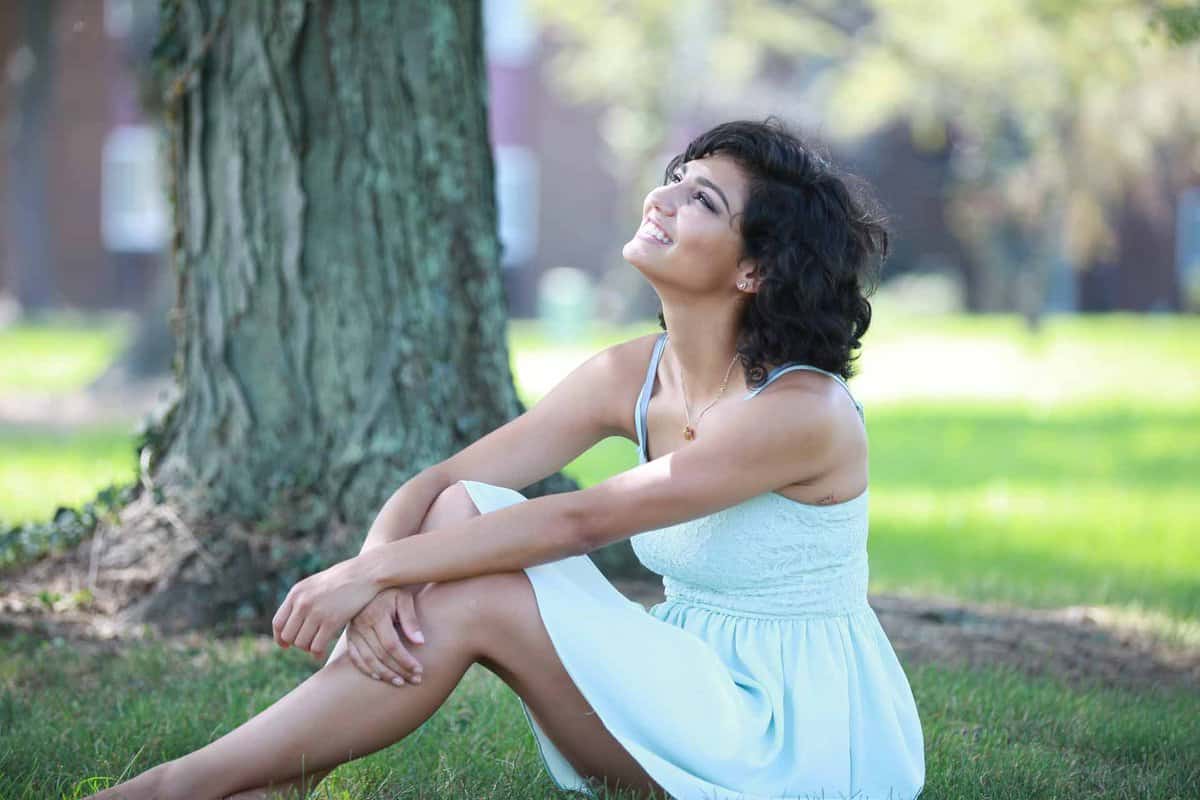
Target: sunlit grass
column 43, row 468
column 1038, row 471
column 1073, row 361
column 985, row 506
column 62, row 354
column 1080, row 494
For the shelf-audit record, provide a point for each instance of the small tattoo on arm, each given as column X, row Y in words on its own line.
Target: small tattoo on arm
column 826, row 500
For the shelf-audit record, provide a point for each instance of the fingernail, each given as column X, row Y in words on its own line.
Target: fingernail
column 419, row 637
column 373, row 675
column 398, row 681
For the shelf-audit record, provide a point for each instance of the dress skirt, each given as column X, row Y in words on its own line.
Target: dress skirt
column 721, row 705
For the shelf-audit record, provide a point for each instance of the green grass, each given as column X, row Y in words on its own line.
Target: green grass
column 69, row 722
column 60, row 354
column 1080, row 494
column 1092, row 508
column 997, row 734
column 1035, row 470
column 43, row 468
column 1072, row 508
column 66, row 717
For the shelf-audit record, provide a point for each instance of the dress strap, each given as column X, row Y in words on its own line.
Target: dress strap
column 643, row 401
column 775, row 373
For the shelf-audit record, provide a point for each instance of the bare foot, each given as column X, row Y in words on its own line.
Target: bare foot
column 288, row 792
column 147, row 786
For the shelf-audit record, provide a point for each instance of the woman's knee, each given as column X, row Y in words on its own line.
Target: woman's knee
column 453, row 504
column 474, row 608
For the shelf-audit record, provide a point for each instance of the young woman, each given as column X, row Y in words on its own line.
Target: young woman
column 764, row 673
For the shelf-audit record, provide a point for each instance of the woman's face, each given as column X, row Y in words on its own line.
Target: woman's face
column 699, row 212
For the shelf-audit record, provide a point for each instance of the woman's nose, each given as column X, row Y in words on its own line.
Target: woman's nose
column 662, row 204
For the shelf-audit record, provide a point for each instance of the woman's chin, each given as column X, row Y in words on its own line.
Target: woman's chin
column 638, row 252
column 631, row 252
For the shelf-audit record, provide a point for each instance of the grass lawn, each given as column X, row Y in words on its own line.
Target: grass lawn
column 43, row 468
column 1039, row 470
column 61, row 354
column 1047, row 470
column 66, row 717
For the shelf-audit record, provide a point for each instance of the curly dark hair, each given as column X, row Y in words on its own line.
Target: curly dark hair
column 819, row 238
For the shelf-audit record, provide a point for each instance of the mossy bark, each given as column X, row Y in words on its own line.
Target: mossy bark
column 340, row 316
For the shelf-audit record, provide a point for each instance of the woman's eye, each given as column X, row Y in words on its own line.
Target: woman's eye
column 676, row 178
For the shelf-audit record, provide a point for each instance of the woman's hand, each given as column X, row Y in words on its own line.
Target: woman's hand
column 319, row 606
column 374, row 643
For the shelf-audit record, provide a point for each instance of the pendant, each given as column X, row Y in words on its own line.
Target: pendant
column 688, row 432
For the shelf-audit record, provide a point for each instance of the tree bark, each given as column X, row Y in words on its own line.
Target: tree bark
column 340, row 315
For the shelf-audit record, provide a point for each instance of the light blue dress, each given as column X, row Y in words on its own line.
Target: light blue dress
column 764, row 673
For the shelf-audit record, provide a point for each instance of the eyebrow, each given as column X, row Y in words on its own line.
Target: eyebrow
column 710, row 184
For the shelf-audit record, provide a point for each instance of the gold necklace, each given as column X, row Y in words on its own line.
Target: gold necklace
column 689, row 433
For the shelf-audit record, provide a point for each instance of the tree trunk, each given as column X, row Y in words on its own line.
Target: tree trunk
column 340, row 315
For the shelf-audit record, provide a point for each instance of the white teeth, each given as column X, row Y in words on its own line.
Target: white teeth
column 653, row 230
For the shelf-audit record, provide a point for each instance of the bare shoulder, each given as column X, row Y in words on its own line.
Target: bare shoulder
column 634, row 354
column 816, row 395
column 804, row 384
column 594, row 401
column 775, row 440
column 622, row 367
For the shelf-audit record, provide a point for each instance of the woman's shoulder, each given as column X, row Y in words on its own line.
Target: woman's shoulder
column 612, row 377
column 631, row 357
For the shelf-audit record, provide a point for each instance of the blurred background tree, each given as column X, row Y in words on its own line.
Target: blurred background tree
column 1050, row 113
column 1053, row 113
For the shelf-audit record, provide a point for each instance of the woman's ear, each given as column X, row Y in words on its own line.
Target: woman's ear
column 748, row 280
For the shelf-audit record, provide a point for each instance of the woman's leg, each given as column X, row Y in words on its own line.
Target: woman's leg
column 445, row 509
column 335, row 715
column 517, row 648
column 339, row 714
column 450, row 506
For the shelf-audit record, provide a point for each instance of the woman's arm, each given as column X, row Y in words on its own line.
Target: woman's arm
column 506, row 539
column 400, row 517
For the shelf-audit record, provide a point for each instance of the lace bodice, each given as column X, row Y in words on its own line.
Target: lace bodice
column 768, row 556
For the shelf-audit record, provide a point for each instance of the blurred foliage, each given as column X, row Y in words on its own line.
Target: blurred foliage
column 648, row 61
column 1180, row 21
column 1051, row 112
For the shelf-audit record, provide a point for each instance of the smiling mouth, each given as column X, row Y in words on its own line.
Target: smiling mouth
column 654, row 233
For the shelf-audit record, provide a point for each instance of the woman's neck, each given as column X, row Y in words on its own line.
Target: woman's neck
column 703, row 351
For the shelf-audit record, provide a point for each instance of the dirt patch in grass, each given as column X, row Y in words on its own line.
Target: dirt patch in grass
column 1078, row 644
